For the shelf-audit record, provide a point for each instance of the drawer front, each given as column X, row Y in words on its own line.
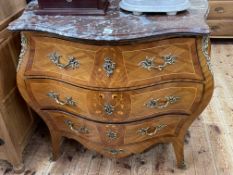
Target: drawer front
column 221, row 9
column 164, row 60
column 115, row 134
column 116, row 106
column 221, row 27
column 114, row 66
column 60, row 59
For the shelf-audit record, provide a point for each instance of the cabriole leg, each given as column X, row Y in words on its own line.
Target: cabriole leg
column 56, row 144
column 178, row 147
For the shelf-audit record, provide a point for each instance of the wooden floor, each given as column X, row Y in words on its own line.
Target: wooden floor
column 208, row 150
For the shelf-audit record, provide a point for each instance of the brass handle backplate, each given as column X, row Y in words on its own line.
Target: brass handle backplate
column 151, row 131
column 68, row 100
column 150, row 64
column 161, row 104
column 56, row 59
column 80, row 130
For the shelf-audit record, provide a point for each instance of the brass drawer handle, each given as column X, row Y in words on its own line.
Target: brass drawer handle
column 109, row 66
column 69, row 0
column 81, row 130
column 150, row 64
column 161, row 104
column 2, row 142
column 72, row 61
column 219, row 9
column 151, row 131
column 108, row 109
column 68, row 100
column 114, row 151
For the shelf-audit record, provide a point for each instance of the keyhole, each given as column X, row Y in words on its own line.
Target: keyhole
column 114, row 96
column 101, row 96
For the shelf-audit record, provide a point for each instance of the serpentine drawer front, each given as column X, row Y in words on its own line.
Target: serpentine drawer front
column 116, row 106
column 113, row 66
column 115, row 134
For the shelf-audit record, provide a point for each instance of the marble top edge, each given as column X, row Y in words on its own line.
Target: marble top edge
column 116, row 25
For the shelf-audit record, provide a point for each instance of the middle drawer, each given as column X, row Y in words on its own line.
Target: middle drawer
column 116, row 106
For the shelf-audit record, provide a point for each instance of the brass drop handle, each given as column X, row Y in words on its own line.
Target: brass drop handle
column 219, row 9
column 161, row 104
column 68, row 100
column 2, row 142
column 151, row 131
column 56, row 59
column 69, row 0
column 149, row 63
column 81, row 130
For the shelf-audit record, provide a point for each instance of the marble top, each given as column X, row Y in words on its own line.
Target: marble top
column 117, row 24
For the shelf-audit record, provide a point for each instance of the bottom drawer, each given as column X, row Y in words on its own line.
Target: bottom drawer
column 221, row 27
column 121, row 151
column 115, row 134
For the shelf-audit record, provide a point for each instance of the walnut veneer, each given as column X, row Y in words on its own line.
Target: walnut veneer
column 117, row 99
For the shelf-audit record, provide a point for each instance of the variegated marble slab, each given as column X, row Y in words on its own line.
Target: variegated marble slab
column 117, row 25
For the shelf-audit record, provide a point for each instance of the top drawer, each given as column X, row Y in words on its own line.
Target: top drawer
column 114, row 66
column 221, row 9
